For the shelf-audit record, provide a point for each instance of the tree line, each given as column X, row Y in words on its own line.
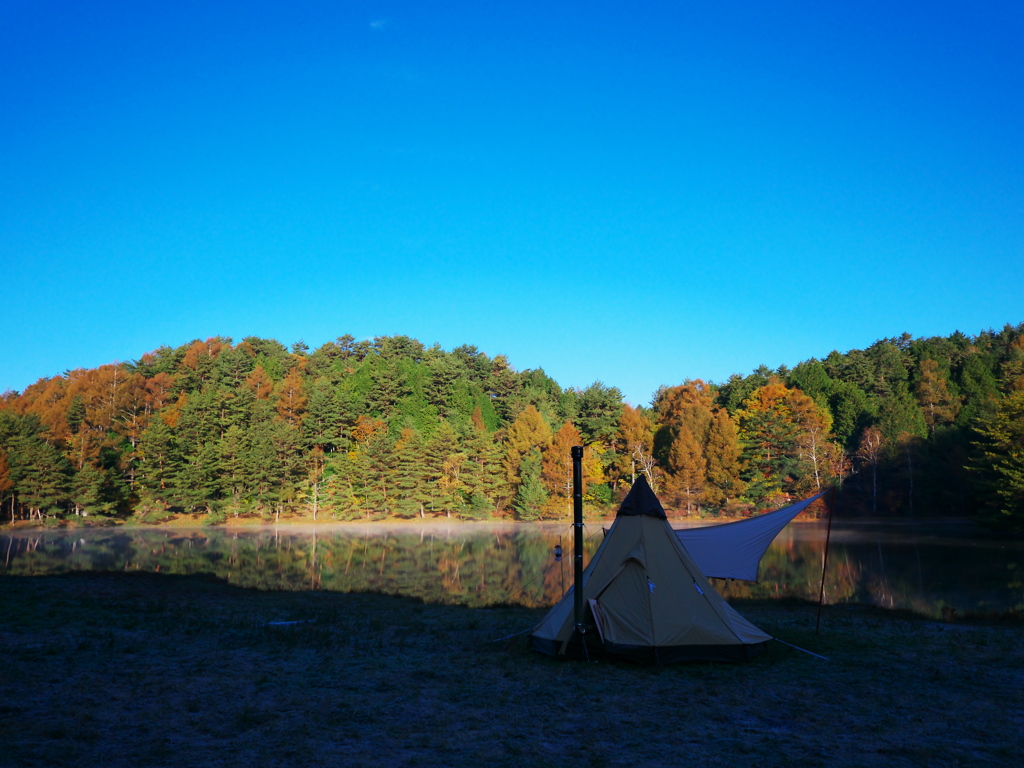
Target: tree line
column 390, row 428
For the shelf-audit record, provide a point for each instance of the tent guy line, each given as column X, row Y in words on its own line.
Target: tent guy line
column 798, row 648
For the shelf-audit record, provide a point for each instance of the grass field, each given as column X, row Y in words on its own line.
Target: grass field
column 149, row 670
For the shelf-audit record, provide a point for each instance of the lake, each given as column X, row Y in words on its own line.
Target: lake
column 921, row 566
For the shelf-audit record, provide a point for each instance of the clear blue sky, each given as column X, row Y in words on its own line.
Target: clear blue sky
column 636, row 195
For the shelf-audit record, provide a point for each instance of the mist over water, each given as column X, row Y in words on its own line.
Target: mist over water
column 923, row 566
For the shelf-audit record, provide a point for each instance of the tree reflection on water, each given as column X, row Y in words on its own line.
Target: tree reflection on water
column 924, row 568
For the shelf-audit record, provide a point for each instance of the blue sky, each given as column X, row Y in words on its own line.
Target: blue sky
column 636, row 195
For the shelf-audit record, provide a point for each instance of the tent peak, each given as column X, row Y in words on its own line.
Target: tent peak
column 641, row 501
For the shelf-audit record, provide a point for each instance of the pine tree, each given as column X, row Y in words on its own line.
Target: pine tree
column 412, row 476
column 158, row 459
column 446, row 460
column 531, row 496
column 1002, row 467
column 87, row 490
column 599, row 408
column 769, row 434
column 901, row 415
column 484, row 473
column 41, row 475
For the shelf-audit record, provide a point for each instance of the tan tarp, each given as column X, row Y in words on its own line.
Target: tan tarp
column 654, row 602
column 734, row 550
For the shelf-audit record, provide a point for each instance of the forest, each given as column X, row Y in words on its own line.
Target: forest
column 388, row 429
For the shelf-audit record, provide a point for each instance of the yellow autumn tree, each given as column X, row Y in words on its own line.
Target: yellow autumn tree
column 527, row 432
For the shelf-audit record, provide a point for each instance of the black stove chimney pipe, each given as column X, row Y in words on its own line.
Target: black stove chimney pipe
column 577, row 521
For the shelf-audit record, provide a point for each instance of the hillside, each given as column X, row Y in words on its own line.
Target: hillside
column 390, row 428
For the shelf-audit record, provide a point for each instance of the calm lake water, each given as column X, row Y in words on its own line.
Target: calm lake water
column 922, row 566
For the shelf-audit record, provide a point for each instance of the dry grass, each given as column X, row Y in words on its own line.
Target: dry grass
column 148, row 670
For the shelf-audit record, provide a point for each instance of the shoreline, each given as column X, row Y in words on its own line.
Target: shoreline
column 196, row 522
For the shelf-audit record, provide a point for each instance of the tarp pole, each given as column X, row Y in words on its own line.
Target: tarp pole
column 824, row 564
column 577, row 522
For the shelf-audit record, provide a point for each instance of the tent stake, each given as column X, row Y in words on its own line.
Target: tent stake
column 577, row 522
column 824, row 563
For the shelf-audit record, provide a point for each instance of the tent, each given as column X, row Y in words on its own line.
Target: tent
column 734, row 550
column 646, row 599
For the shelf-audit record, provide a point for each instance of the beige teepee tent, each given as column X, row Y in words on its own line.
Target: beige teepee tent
column 646, row 599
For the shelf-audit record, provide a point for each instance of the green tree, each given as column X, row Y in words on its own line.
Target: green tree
column 852, row 411
column 598, row 411
column 446, row 462
column 530, row 496
column 412, row 478
column 1001, row 446
column 901, row 415
column 769, row 435
column 41, row 475
column 158, row 459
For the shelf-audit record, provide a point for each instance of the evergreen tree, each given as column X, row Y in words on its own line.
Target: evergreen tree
column 979, row 387
column 41, row 475
column 232, row 462
column 446, row 461
column 901, row 415
column 388, row 387
column 196, row 485
column 852, row 411
column 811, row 378
column 598, row 411
column 1001, row 467
column 158, row 460
column 322, row 424
column 769, row 435
column 412, row 476
column 531, row 496
column 441, row 384
column 484, row 473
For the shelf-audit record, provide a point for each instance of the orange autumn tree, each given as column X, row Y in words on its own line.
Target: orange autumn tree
column 723, row 456
column 291, row 400
column 685, row 485
column 698, row 444
column 556, row 466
